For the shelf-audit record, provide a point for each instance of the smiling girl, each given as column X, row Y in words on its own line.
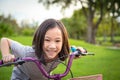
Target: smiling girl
column 50, row 42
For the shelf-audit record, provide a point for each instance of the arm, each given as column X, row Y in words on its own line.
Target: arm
column 5, row 50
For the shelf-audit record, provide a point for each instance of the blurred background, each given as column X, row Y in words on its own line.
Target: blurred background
column 93, row 24
column 94, row 21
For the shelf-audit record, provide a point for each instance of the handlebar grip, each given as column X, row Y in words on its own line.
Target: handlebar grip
column 1, row 62
column 73, row 48
column 15, row 62
column 79, row 53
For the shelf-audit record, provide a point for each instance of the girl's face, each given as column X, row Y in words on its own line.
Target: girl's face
column 52, row 43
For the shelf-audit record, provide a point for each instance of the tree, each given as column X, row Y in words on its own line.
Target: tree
column 76, row 25
column 115, row 11
column 91, row 9
column 8, row 26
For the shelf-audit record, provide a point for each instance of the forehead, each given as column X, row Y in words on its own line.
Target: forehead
column 54, row 32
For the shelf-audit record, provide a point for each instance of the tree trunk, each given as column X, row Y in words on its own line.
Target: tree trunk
column 104, row 36
column 91, row 30
column 91, row 33
column 112, row 30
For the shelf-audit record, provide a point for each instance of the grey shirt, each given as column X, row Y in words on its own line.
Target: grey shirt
column 28, row 70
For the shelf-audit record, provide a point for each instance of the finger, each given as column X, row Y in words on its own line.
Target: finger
column 8, row 58
column 5, row 59
column 12, row 58
column 82, row 49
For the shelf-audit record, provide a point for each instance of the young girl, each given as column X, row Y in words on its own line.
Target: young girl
column 50, row 42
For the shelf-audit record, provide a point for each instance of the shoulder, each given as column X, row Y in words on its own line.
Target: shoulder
column 30, row 52
column 21, row 50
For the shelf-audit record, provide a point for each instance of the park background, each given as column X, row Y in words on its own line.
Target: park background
column 94, row 25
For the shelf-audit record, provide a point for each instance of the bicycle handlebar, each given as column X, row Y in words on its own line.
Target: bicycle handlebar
column 39, row 64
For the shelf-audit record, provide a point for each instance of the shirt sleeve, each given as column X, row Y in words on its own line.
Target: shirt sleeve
column 19, row 50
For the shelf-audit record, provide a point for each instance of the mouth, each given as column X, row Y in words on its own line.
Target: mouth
column 51, row 53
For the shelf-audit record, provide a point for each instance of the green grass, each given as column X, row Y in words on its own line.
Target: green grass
column 5, row 72
column 105, row 61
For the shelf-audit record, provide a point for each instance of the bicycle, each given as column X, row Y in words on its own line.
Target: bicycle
column 75, row 53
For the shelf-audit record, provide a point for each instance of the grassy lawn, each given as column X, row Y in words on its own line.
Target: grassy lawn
column 105, row 62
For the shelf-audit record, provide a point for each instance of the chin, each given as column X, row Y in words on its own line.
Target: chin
column 52, row 57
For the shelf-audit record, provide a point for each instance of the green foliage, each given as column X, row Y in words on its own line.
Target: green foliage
column 27, row 32
column 28, row 29
column 76, row 25
column 91, row 9
column 108, row 27
column 5, row 30
column 8, row 26
column 104, row 28
column 106, row 41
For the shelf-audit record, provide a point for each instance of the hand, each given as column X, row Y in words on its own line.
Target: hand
column 83, row 50
column 8, row 58
column 74, row 48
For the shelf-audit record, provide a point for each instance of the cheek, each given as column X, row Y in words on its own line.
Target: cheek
column 44, row 46
column 60, row 46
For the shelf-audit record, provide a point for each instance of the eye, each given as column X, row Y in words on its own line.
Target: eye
column 47, row 40
column 58, row 41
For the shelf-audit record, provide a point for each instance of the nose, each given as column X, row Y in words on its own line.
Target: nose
column 52, row 45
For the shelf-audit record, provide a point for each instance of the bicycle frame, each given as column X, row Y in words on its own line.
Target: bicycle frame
column 39, row 64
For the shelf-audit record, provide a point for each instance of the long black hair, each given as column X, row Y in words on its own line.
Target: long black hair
column 38, row 39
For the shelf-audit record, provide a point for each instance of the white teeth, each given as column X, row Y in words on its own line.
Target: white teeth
column 51, row 50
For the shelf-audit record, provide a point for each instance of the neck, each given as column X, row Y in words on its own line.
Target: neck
column 47, row 60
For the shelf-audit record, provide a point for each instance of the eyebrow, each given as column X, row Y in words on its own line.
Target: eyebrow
column 55, row 38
